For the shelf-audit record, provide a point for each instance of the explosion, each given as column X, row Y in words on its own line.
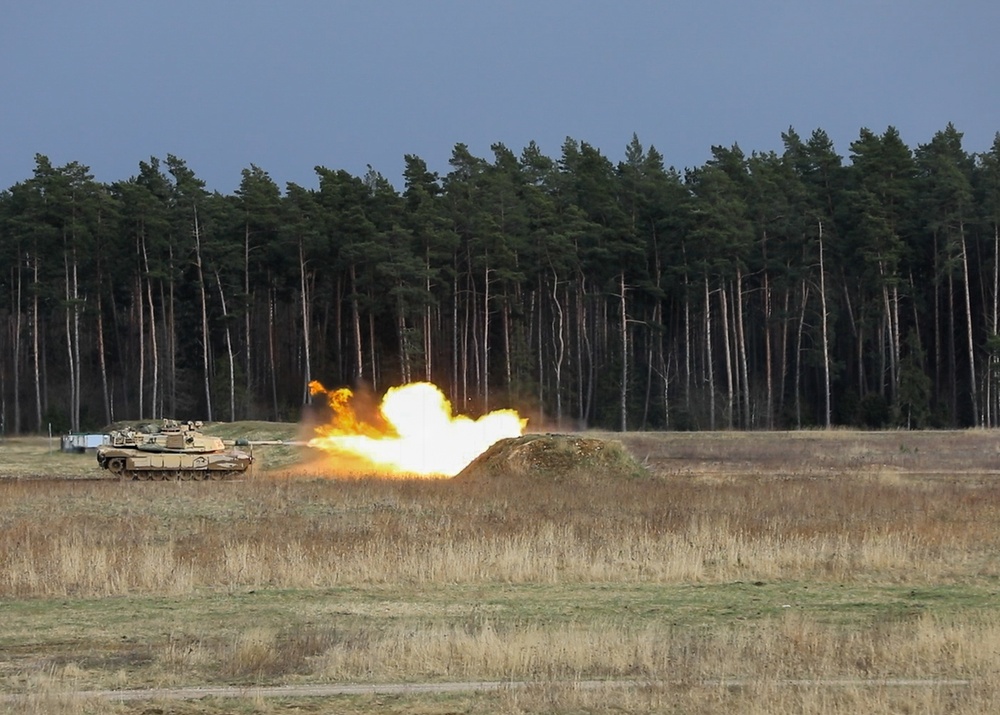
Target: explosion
column 417, row 433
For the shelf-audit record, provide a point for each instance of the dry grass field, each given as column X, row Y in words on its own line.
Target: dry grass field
column 810, row 572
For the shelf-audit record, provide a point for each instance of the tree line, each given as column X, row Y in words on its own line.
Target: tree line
column 760, row 291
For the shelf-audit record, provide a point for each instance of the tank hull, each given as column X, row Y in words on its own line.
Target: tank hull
column 177, row 452
column 159, row 466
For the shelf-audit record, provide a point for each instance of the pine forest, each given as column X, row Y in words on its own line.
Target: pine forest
column 757, row 291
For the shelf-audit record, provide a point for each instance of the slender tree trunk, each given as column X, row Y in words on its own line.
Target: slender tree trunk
column 798, row 356
column 171, row 334
column 72, row 336
column 952, row 349
column 687, row 348
column 996, row 307
column 485, row 391
column 968, row 325
column 404, row 343
column 559, row 344
column 248, row 304
column 205, row 336
column 768, row 358
column 505, row 319
column 588, row 348
column 17, row 282
column 374, row 362
column 541, row 357
column 428, row 343
column 16, row 340
column 454, row 337
column 359, row 359
column 270, row 348
column 36, row 347
column 581, row 381
column 152, row 329
column 727, row 352
column 825, row 333
column 140, row 311
column 229, row 350
column 625, row 347
column 783, row 372
column 742, row 342
column 708, row 356
column 305, row 305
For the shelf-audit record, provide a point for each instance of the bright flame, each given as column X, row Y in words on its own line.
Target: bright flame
column 420, row 435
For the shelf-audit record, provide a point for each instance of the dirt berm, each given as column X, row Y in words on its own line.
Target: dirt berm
column 556, row 457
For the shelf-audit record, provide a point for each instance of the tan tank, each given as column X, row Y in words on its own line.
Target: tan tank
column 176, row 450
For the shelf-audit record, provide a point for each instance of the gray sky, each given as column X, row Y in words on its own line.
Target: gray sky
column 289, row 85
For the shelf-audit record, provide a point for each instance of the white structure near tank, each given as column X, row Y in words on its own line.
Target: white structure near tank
column 83, row 442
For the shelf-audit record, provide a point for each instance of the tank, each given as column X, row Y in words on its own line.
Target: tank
column 173, row 450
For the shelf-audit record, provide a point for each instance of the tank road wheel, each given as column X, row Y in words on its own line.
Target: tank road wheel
column 200, row 475
column 185, row 475
column 217, row 475
column 142, row 476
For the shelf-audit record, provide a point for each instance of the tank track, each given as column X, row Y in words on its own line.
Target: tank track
column 181, row 475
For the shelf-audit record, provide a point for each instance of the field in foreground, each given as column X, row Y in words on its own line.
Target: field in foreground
column 757, row 573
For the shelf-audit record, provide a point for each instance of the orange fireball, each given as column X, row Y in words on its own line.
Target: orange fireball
column 420, row 436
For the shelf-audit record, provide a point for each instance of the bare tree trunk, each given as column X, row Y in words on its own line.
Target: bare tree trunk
column 205, row 337
column 708, row 356
column 624, row 390
column 826, row 339
column 141, row 316
column 229, row 350
column 359, row 359
column 768, row 358
column 687, row 349
column 742, row 342
column 952, row 348
column 587, row 397
column 248, row 303
column 72, row 314
column 783, row 372
column 171, row 335
column 973, row 387
column 371, row 352
column 305, row 304
column 454, row 337
column 996, row 305
column 581, row 327
column 270, row 349
column 724, row 320
column 505, row 316
column 404, row 343
column 16, row 340
column 559, row 345
column 428, row 343
column 798, row 355
column 485, row 390
column 541, row 352
column 152, row 329
column 36, row 347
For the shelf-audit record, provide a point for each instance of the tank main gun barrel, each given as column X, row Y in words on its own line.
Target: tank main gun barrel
column 271, row 442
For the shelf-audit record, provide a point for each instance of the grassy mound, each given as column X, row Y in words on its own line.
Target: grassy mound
column 556, row 457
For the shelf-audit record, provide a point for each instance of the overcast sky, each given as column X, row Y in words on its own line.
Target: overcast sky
column 289, row 85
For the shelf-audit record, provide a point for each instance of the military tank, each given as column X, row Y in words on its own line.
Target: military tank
column 173, row 450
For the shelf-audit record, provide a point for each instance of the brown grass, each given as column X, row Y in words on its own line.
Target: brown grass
column 107, row 539
column 762, row 558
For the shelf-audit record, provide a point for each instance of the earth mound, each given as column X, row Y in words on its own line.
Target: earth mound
column 555, row 457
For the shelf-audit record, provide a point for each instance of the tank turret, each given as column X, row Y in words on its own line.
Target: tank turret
column 173, row 450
